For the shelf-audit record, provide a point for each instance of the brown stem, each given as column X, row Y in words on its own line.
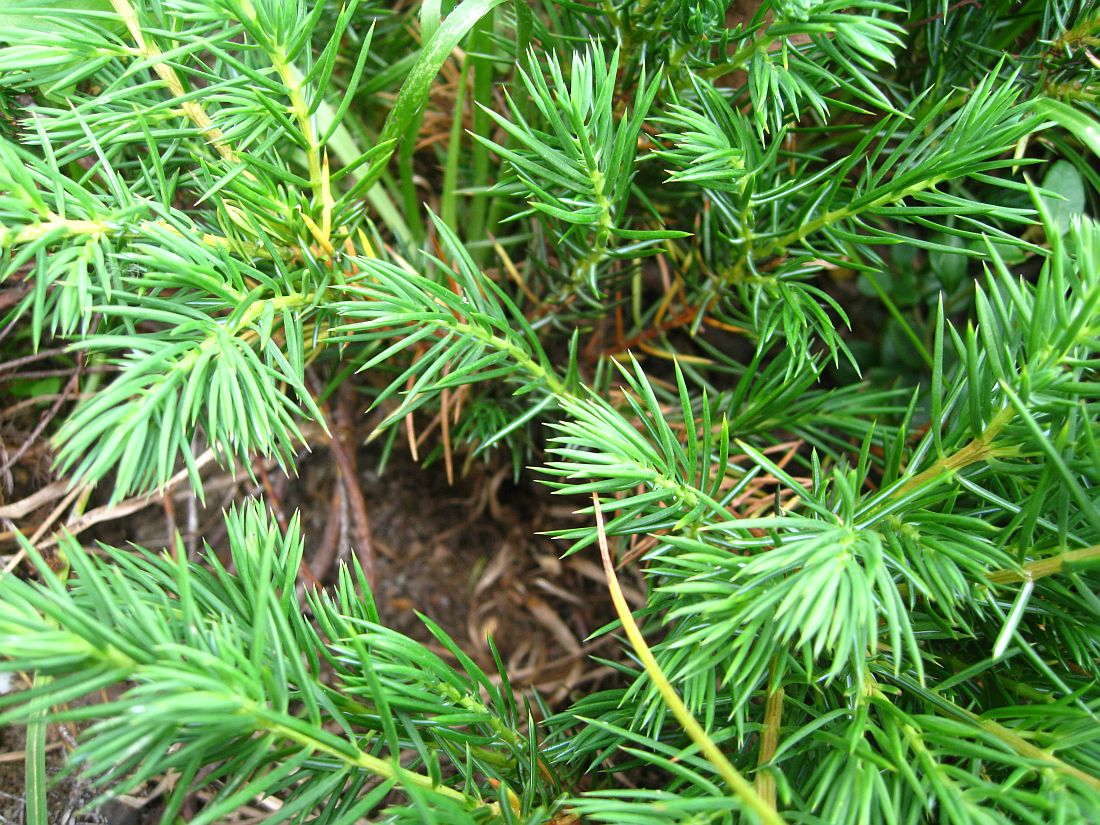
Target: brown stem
column 769, row 736
column 347, row 465
column 274, row 500
column 325, row 554
column 943, row 14
column 15, row 363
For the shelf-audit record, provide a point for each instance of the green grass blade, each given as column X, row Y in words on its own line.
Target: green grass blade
column 35, row 780
column 414, row 91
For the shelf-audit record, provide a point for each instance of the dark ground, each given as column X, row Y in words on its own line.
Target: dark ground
column 466, row 555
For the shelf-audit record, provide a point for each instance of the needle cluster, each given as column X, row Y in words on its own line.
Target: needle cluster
column 807, row 296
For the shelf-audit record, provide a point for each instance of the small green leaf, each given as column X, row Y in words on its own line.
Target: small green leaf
column 949, row 269
column 1063, row 179
column 35, row 811
column 35, row 387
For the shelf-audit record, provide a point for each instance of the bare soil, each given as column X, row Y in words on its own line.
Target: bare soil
column 468, row 555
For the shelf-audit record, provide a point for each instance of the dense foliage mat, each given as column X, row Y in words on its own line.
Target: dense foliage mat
column 801, row 302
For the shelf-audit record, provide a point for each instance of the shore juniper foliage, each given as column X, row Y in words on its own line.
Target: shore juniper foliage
column 806, row 294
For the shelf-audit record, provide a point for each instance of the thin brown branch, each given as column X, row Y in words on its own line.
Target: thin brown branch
column 43, row 422
column 40, row 498
column 943, row 14
column 769, row 736
column 107, row 512
column 16, row 363
column 346, row 463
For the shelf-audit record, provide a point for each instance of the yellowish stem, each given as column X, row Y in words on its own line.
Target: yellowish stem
column 318, row 172
column 191, row 108
column 72, row 227
column 1046, row 567
column 979, row 449
column 1006, row 735
column 374, row 765
column 733, row 778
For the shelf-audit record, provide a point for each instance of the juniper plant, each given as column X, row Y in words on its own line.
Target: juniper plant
column 805, row 297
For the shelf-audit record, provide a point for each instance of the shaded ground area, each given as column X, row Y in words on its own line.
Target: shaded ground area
column 467, row 555
column 66, row 798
